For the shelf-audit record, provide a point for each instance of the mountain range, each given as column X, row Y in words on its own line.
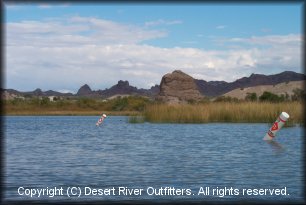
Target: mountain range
column 206, row 88
column 216, row 88
column 121, row 88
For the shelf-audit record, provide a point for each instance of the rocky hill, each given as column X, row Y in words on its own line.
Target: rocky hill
column 10, row 95
column 84, row 90
column 278, row 89
column 36, row 92
column 217, row 88
column 178, row 87
column 121, row 88
column 124, row 88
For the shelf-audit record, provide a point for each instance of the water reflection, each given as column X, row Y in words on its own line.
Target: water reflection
column 276, row 146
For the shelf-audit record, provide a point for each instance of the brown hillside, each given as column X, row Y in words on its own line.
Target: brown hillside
column 281, row 88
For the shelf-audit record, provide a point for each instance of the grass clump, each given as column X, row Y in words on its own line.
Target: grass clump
column 136, row 119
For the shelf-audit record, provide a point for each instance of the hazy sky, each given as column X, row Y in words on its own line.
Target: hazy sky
column 63, row 46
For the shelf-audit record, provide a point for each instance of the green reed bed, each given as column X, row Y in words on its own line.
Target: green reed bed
column 252, row 112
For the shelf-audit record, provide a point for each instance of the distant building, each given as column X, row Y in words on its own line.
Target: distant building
column 52, row 98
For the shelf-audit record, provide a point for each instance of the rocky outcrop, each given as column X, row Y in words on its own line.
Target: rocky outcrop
column 38, row 92
column 124, row 88
column 178, row 87
column 121, row 88
column 84, row 90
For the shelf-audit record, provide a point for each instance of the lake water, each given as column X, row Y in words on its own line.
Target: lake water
column 71, row 153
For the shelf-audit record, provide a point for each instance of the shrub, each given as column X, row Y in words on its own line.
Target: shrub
column 86, row 103
column 298, row 94
column 120, row 103
column 251, row 97
column 44, row 101
column 270, row 97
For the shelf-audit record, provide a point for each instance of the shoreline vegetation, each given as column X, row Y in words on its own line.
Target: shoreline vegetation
column 228, row 112
column 69, row 113
column 140, row 109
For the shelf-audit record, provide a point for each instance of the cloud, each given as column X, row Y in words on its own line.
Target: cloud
column 77, row 30
column 270, row 40
column 162, row 22
column 63, row 54
column 221, row 27
column 65, row 91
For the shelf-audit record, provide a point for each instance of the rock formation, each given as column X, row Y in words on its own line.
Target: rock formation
column 84, row 90
column 178, row 87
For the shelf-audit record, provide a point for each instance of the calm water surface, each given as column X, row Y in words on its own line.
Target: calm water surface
column 69, row 151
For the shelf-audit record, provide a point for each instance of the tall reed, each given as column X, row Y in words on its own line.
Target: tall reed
column 223, row 112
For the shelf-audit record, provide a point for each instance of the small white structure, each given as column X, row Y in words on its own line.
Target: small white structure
column 51, row 98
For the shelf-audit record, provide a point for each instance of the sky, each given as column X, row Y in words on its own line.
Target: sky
column 64, row 46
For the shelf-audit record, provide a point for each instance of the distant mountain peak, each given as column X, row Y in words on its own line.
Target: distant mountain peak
column 85, row 86
column 122, row 83
column 38, row 91
column 84, row 90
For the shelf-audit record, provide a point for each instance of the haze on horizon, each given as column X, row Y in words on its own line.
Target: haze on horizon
column 63, row 46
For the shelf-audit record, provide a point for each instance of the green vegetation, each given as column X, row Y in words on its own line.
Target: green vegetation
column 250, row 112
column 298, row 95
column 264, row 108
column 270, row 97
column 131, row 105
column 251, row 97
column 136, row 119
